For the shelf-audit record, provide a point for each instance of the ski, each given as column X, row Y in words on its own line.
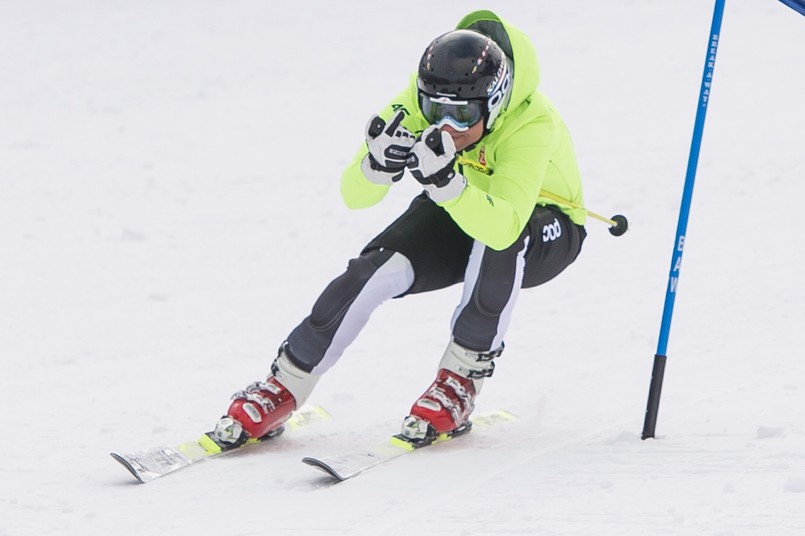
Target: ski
column 147, row 465
column 350, row 464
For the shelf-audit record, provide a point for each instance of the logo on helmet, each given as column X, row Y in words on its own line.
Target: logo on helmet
column 499, row 76
column 499, row 94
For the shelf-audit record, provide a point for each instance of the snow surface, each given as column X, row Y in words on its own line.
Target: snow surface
column 169, row 210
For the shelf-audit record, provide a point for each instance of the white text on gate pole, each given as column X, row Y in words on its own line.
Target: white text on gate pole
column 680, row 246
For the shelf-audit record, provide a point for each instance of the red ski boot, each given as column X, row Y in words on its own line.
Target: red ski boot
column 260, row 410
column 446, row 406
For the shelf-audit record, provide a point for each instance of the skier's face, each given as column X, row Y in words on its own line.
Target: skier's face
column 467, row 137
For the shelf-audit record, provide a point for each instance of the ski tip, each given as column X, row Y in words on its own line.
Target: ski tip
column 307, row 414
column 319, row 464
column 507, row 415
column 320, row 409
column 125, row 463
column 498, row 416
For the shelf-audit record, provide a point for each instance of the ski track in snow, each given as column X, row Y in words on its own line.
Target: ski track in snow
column 169, row 206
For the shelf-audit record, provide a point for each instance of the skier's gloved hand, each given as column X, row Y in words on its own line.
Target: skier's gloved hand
column 388, row 149
column 431, row 163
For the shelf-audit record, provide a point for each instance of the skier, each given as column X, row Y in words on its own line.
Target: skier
column 473, row 129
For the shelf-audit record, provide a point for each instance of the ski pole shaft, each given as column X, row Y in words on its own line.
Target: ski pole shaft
column 568, row 202
column 618, row 223
column 658, row 371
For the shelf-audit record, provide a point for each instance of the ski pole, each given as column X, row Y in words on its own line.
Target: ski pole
column 618, row 223
column 658, row 370
column 796, row 5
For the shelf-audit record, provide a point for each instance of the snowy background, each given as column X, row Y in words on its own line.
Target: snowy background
column 169, row 210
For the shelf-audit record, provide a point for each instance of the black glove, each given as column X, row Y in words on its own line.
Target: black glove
column 388, row 149
column 431, row 163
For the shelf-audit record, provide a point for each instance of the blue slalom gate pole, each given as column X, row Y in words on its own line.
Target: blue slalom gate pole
column 658, row 370
column 796, row 5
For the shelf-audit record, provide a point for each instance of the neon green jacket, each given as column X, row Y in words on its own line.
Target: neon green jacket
column 528, row 151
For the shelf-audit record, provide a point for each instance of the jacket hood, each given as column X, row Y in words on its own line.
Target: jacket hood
column 515, row 44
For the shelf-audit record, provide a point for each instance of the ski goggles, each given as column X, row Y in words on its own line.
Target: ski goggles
column 459, row 114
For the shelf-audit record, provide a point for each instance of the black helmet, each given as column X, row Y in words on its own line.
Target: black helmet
column 466, row 65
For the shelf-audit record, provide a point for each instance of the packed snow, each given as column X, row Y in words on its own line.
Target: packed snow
column 169, row 210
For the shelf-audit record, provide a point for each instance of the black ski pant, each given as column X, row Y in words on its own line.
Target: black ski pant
column 425, row 250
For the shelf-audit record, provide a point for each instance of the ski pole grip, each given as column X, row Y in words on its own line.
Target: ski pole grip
column 376, row 126
column 434, row 141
